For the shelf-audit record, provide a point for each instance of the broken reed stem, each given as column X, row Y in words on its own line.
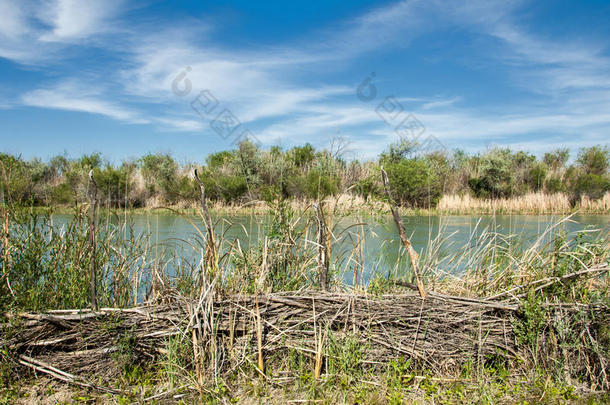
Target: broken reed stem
column 260, row 283
column 403, row 234
column 6, row 265
column 45, row 368
column 320, row 339
column 92, row 239
column 323, row 241
column 259, row 339
column 211, row 254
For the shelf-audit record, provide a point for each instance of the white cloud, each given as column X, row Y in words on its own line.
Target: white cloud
column 77, row 19
column 13, row 23
column 73, row 96
column 36, row 31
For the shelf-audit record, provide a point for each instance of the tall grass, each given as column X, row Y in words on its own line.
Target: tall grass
column 49, row 263
column 531, row 203
column 47, row 266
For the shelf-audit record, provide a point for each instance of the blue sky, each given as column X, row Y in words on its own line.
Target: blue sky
column 82, row 76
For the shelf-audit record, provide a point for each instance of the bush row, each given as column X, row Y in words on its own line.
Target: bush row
column 248, row 173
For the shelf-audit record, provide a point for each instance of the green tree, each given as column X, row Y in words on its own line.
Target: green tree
column 496, row 176
column 594, row 160
column 556, row 159
column 303, row 155
column 159, row 172
column 536, row 176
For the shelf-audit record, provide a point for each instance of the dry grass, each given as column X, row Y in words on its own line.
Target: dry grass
column 532, row 203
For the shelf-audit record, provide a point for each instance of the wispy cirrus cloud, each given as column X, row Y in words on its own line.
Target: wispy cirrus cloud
column 74, row 96
column 74, row 20
column 35, row 31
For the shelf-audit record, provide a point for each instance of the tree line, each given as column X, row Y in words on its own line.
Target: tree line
column 249, row 173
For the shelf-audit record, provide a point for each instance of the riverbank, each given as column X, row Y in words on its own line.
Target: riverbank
column 308, row 346
column 236, row 323
column 528, row 204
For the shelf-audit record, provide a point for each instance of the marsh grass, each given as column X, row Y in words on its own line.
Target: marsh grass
column 530, row 203
column 48, row 263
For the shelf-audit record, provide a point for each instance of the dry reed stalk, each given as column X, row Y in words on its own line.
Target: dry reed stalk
column 260, row 282
column 530, row 203
column 403, row 234
column 259, row 339
column 45, row 368
column 323, row 242
column 441, row 332
column 320, row 339
column 92, row 239
column 211, row 254
column 6, row 264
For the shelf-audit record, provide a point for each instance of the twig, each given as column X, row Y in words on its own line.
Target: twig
column 62, row 375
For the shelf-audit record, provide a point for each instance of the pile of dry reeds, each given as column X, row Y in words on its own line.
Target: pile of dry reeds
column 439, row 332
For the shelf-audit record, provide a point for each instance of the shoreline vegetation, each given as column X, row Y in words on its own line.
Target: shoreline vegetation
column 528, row 204
column 108, row 315
column 104, row 317
column 243, row 180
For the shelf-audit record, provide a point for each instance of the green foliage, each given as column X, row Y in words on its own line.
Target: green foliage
column 398, row 152
column 535, row 176
column 556, row 159
column 319, row 185
column 232, row 188
column 178, row 356
column 50, row 267
column 413, row 182
column 126, row 356
column 554, row 184
column 249, row 173
column 345, row 355
column 159, row 172
column 592, row 185
column 369, row 187
column 113, row 184
column 529, row 327
column 218, row 160
column 595, row 160
column 302, row 155
column 495, row 178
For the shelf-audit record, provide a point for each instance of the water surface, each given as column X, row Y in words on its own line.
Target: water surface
column 378, row 237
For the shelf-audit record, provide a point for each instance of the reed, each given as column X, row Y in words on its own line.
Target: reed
column 531, row 203
column 455, row 204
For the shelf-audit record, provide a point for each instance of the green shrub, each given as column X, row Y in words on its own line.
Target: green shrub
column 112, row 185
column 413, row 183
column 535, row 176
column 496, row 175
column 592, row 185
column 554, row 184
column 232, row 188
column 62, row 194
column 302, row 155
column 595, row 160
column 320, row 185
column 159, row 172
